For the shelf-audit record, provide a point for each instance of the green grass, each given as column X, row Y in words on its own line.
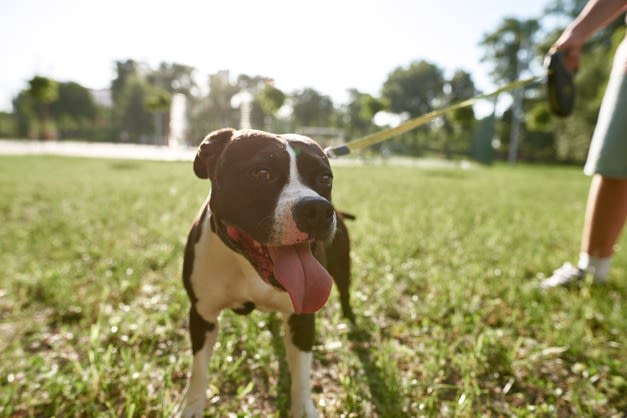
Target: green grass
column 445, row 262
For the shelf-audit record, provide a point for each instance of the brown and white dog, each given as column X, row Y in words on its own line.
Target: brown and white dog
column 262, row 240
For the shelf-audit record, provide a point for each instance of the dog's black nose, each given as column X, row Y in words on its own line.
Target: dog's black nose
column 314, row 215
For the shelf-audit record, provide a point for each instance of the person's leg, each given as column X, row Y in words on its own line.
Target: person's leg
column 606, row 212
column 605, row 216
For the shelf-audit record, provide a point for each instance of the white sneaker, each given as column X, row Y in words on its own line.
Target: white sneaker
column 566, row 275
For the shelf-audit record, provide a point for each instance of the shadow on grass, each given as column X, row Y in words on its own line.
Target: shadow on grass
column 453, row 174
column 125, row 165
column 383, row 391
column 283, row 384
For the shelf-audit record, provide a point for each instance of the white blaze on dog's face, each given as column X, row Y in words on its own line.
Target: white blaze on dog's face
column 271, row 198
column 303, row 209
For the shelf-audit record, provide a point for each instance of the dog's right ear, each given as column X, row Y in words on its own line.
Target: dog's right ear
column 209, row 150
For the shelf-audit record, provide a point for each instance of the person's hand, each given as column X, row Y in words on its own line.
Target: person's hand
column 570, row 46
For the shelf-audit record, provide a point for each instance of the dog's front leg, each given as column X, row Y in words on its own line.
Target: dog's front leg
column 203, row 333
column 298, row 339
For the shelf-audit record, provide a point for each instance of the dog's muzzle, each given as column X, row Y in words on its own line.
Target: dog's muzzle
column 314, row 216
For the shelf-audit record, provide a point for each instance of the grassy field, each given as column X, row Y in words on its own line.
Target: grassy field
column 445, row 266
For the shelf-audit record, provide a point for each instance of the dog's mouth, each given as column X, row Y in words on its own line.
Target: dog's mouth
column 290, row 267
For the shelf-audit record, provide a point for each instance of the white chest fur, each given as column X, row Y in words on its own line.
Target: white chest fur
column 224, row 279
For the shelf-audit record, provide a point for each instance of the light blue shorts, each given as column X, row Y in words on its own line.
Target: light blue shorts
column 607, row 155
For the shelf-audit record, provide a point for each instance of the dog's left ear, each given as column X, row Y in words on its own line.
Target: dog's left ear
column 209, row 150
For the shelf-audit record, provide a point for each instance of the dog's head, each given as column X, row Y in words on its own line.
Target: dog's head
column 270, row 199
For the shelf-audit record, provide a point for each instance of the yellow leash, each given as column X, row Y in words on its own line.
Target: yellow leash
column 375, row 138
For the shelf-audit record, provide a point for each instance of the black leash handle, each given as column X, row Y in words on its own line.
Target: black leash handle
column 560, row 85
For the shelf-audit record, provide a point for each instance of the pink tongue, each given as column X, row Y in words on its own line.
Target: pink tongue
column 304, row 278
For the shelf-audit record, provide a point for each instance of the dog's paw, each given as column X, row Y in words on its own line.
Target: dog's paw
column 304, row 409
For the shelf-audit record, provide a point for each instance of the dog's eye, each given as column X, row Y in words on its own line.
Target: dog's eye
column 261, row 174
column 325, row 180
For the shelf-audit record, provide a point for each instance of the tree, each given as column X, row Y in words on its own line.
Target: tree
column 270, row 100
column 459, row 124
column 73, row 100
column 43, row 91
column 415, row 89
column 135, row 120
column 24, row 111
column 174, row 78
column 158, row 103
column 359, row 113
column 127, row 72
column 8, row 125
column 140, row 90
column 221, row 91
column 213, row 111
column 461, row 87
column 254, row 86
column 74, row 110
column 509, row 49
column 310, row 108
column 124, row 70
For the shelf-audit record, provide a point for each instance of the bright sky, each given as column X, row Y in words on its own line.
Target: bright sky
column 329, row 45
